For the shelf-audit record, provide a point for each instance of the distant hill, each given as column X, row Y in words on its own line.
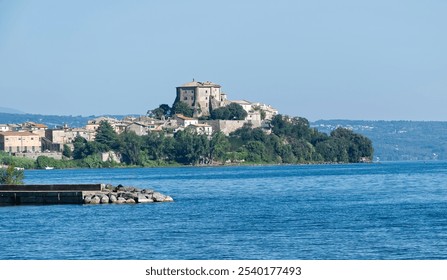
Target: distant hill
column 10, row 111
column 398, row 140
column 51, row 121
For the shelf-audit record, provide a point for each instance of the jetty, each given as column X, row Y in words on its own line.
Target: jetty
column 77, row 194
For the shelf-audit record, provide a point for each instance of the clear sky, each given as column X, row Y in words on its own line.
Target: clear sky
column 319, row 59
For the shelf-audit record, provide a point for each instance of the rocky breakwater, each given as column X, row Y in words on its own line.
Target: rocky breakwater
column 121, row 194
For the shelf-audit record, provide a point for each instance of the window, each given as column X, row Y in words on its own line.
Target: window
column 185, row 98
column 34, row 149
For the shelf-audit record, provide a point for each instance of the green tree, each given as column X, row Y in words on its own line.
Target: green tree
column 190, row 147
column 44, row 161
column 233, row 111
column 180, row 107
column 79, row 144
column 106, row 135
column 256, row 151
column 166, row 109
column 131, row 148
column 153, row 145
column 11, row 176
column 67, row 152
column 83, row 148
column 219, row 147
column 355, row 146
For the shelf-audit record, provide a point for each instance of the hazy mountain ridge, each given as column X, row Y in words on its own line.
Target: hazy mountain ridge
column 10, row 110
column 398, row 140
column 51, row 121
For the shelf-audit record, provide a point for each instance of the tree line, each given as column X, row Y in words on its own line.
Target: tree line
column 291, row 141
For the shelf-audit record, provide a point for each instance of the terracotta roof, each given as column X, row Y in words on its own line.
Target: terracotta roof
column 38, row 125
column 17, row 133
column 180, row 116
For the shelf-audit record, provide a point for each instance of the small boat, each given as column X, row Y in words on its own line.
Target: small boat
column 49, row 168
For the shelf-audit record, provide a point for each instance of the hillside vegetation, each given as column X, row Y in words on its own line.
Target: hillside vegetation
column 290, row 141
column 398, row 140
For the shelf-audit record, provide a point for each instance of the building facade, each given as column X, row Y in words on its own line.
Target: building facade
column 185, row 121
column 20, row 142
column 203, row 97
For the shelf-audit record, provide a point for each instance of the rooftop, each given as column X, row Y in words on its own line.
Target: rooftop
column 200, row 84
column 201, row 125
column 180, row 116
column 17, row 133
column 242, row 102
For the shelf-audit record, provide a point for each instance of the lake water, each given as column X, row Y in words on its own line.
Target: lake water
column 359, row 211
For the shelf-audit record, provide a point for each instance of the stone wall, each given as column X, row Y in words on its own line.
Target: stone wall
column 225, row 126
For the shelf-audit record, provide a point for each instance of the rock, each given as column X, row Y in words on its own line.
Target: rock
column 95, row 200
column 144, row 199
column 158, row 197
column 87, row 199
column 130, row 200
column 105, row 199
column 120, row 200
column 147, row 191
column 125, row 194
column 112, row 198
column 129, row 195
column 109, row 187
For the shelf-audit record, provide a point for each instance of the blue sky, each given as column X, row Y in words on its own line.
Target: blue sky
column 374, row 60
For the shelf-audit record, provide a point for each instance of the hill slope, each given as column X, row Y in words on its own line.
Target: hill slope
column 398, row 140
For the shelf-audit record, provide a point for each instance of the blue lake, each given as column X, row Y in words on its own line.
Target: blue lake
column 359, row 211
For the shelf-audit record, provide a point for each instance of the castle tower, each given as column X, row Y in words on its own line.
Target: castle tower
column 203, row 97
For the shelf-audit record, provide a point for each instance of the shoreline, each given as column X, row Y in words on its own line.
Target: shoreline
column 215, row 165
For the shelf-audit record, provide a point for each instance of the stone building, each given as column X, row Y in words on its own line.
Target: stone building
column 35, row 128
column 185, row 121
column 67, row 135
column 200, row 128
column 19, row 142
column 203, row 97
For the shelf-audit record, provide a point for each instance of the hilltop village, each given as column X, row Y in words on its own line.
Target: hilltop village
column 31, row 140
column 202, row 127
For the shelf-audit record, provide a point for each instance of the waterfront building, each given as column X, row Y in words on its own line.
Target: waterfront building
column 20, row 142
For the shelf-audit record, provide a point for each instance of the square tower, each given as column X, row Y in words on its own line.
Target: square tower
column 203, row 97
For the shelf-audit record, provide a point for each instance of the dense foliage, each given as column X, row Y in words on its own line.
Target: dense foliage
column 232, row 111
column 180, row 107
column 398, row 140
column 11, row 176
column 291, row 141
column 393, row 140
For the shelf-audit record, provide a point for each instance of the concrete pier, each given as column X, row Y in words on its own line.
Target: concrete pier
column 46, row 194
